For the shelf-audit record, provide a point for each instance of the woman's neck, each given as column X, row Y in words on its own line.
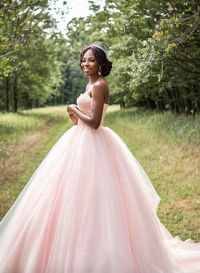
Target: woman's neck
column 93, row 79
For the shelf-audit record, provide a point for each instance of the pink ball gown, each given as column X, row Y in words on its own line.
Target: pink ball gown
column 90, row 208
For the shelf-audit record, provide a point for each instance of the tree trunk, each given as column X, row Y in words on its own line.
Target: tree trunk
column 122, row 104
column 177, row 102
column 15, row 95
column 151, row 104
column 7, row 89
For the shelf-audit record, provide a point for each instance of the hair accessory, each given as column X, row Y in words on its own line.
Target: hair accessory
column 101, row 46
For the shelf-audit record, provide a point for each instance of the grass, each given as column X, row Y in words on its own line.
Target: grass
column 167, row 147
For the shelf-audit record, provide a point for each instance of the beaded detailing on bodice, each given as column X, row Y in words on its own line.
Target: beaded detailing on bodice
column 84, row 104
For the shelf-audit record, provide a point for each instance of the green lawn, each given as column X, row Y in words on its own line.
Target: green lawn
column 167, row 146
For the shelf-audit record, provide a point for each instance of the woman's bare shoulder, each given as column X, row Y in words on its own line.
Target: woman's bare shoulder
column 102, row 86
column 101, row 83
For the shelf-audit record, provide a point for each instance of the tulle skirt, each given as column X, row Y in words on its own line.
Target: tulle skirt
column 90, row 208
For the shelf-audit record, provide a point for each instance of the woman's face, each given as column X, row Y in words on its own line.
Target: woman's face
column 89, row 63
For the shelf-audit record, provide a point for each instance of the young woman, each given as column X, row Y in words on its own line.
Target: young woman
column 90, row 207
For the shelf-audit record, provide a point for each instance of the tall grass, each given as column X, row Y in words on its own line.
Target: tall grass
column 165, row 124
column 12, row 126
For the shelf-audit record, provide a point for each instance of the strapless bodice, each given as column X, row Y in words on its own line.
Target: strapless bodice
column 84, row 104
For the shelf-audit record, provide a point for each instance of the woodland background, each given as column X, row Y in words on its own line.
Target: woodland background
column 154, row 47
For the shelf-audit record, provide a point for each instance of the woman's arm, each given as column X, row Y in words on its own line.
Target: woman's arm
column 94, row 120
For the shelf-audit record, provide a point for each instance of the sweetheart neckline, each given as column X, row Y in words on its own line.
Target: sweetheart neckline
column 91, row 97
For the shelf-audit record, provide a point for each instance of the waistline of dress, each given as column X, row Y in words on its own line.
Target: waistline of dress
column 80, row 122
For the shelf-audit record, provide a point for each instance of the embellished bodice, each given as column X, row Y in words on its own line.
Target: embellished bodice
column 84, row 104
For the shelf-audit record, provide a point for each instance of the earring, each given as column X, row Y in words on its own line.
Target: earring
column 99, row 71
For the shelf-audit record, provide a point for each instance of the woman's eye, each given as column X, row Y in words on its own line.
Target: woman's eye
column 83, row 61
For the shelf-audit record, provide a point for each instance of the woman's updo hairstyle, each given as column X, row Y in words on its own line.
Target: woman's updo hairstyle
column 100, row 53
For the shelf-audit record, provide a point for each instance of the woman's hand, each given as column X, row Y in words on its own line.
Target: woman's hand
column 71, row 111
column 72, row 108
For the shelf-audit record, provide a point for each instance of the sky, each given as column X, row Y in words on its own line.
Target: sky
column 74, row 8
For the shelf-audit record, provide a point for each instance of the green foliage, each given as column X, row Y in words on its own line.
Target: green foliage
column 155, row 51
column 165, row 67
column 154, row 47
column 30, row 71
